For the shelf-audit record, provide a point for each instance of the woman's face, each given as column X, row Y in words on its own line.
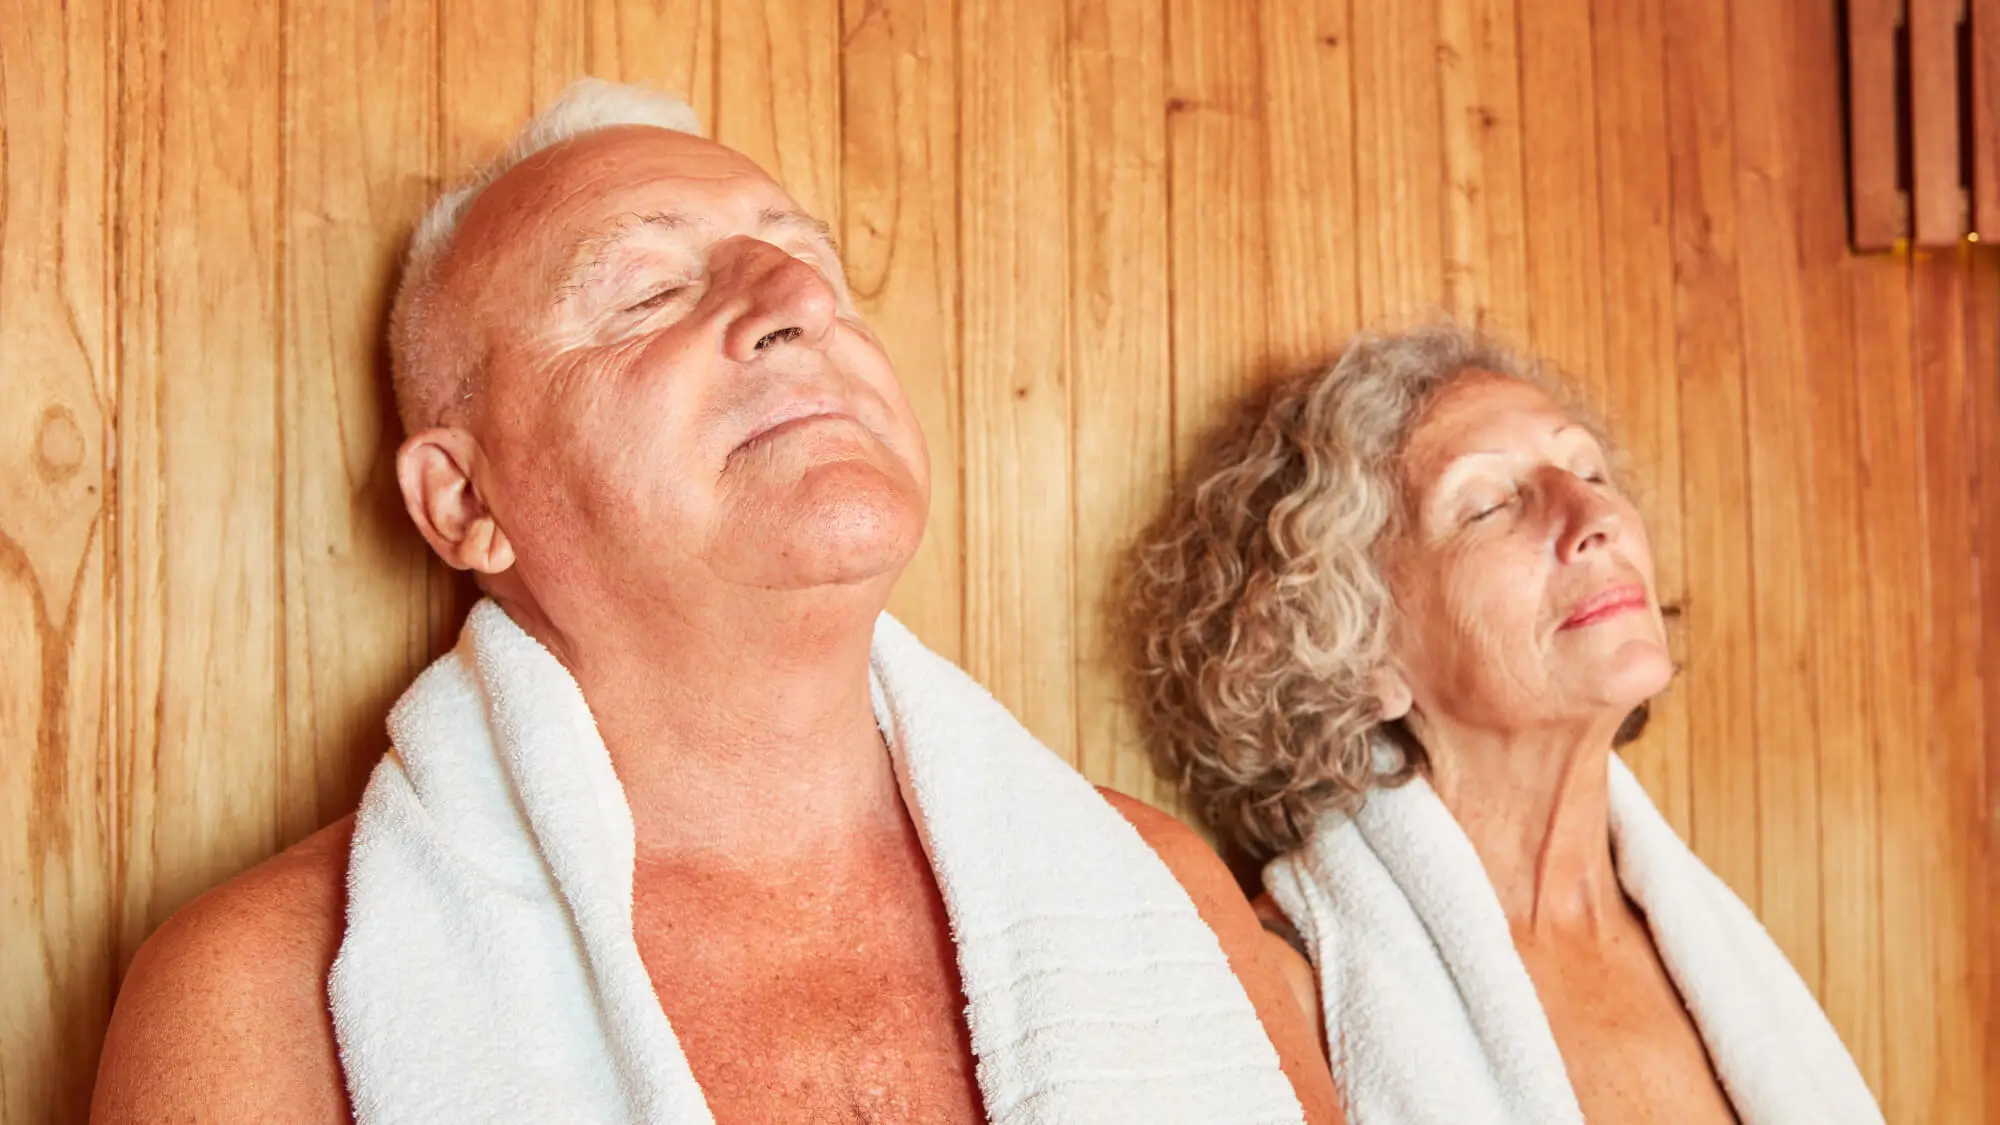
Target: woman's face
column 1523, row 580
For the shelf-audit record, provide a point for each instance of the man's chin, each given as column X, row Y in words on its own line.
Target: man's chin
column 851, row 538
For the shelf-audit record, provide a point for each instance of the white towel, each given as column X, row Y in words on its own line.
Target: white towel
column 489, row 971
column 1432, row 1019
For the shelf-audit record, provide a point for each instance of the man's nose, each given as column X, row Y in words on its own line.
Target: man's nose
column 785, row 303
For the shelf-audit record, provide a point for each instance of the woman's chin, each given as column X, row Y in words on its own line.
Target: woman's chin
column 1636, row 671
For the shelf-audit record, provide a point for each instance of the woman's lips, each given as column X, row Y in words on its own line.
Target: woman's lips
column 1606, row 604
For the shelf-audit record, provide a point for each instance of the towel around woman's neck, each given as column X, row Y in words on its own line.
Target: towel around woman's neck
column 1432, row 1019
column 489, row 970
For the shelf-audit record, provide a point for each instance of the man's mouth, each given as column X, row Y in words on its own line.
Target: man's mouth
column 795, row 413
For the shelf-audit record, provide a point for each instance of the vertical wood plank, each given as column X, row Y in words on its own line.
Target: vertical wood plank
column 1019, row 638
column 667, row 45
column 1985, row 17
column 360, row 114
column 1982, row 372
column 1119, row 353
column 1899, row 665
column 1559, row 151
column 57, row 864
column 1479, row 85
column 777, row 100
column 1776, row 396
column 1955, row 754
column 1641, row 387
column 1851, row 981
column 1938, row 200
column 1715, row 487
column 899, row 202
column 497, row 69
column 1398, row 161
column 1218, row 263
column 1312, row 292
column 200, row 462
column 1881, row 210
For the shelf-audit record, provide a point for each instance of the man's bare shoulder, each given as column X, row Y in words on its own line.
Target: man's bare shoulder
column 223, row 1014
column 1207, row 881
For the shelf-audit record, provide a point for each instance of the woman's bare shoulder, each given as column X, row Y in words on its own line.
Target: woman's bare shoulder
column 223, row 1014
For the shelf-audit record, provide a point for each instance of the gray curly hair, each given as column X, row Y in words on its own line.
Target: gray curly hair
column 1257, row 603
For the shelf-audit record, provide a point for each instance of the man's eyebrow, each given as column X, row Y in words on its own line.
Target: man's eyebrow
column 590, row 251
column 798, row 220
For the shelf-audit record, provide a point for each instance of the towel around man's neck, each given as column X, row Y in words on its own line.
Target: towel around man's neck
column 1432, row 1019
column 489, row 970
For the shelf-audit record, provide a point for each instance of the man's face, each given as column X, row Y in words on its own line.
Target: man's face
column 676, row 387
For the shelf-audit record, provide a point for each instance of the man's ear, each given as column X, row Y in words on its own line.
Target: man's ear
column 434, row 468
column 1392, row 691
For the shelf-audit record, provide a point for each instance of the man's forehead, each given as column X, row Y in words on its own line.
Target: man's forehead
column 571, row 204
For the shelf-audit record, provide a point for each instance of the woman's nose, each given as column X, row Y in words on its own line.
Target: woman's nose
column 1590, row 518
column 785, row 303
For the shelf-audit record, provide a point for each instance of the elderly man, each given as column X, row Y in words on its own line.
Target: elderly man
column 684, row 829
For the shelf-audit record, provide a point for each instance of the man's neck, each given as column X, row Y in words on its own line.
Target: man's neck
column 747, row 733
column 1536, row 806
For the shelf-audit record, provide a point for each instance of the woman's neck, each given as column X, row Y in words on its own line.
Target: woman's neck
column 1537, row 809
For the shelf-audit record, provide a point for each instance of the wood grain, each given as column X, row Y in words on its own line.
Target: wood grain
column 1219, row 285
column 1020, row 640
column 778, row 99
column 1398, row 162
column 1480, row 94
column 1640, row 386
column 1985, row 107
column 356, row 588
column 1954, row 764
column 1312, row 296
column 1565, row 263
column 58, row 855
column 1850, row 924
column 1875, row 128
column 1938, row 212
column 1720, row 677
column 1899, row 658
column 668, row 45
column 1084, row 230
column 1119, row 355
column 899, row 242
column 495, row 68
column 201, row 673
column 1776, row 392
column 1982, row 367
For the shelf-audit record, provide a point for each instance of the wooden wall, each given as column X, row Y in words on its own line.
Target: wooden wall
column 1082, row 227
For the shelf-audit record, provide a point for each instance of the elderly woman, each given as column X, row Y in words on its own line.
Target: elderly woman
column 1391, row 637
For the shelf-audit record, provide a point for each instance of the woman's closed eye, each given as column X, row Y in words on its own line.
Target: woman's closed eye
column 1488, row 506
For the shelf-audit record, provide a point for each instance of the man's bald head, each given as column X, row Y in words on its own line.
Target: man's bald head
column 435, row 354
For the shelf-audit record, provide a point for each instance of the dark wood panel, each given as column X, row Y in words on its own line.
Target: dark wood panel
column 1937, row 198
column 1881, row 209
column 1985, row 132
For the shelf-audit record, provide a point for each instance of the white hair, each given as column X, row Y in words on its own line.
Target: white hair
column 586, row 106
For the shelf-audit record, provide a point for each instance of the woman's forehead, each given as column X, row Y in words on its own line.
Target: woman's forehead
column 1481, row 411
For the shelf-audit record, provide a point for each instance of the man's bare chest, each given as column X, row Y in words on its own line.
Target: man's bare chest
column 804, row 1015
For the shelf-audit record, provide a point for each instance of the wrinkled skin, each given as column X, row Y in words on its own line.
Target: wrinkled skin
column 1529, row 628
column 686, row 466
